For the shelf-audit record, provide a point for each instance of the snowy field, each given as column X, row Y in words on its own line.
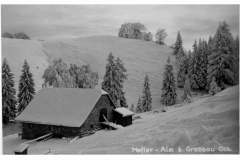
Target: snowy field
column 207, row 125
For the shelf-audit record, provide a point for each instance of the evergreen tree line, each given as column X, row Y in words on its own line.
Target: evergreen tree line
column 210, row 67
column 11, row 106
column 215, row 60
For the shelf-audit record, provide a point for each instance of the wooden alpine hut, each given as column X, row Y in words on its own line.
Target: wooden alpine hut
column 69, row 112
column 65, row 112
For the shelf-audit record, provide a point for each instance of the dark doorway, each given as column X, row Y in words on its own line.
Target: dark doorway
column 103, row 113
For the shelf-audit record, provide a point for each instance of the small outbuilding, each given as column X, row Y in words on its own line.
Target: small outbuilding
column 122, row 116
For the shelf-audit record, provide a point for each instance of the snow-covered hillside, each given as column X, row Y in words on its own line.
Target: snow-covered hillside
column 140, row 58
column 17, row 50
column 210, row 122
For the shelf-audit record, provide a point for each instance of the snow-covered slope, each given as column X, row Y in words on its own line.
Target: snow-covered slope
column 140, row 58
column 16, row 50
column 209, row 122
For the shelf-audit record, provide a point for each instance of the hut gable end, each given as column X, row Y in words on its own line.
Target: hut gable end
column 104, row 106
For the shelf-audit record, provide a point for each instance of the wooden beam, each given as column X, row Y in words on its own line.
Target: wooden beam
column 41, row 137
column 105, row 118
column 113, row 125
column 74, row 139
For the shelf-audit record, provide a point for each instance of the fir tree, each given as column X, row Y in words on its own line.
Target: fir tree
column 139, row 108
column 220, row 61
column 146, row 97
column 26, row 87
column 122, row 76
column 113, row 80
column 199, row 64
column 204, row 66
column 168, row 95
column 182, row 69
column 180, row 60
column 187, row 90
column 132, row 108
column 8, row 93
column 236, row 60
column 193, row 66
column 213, row 88
column 191, row 69
column 209, row 51
column 210, row 45
column 178, row 44
column 108, row 81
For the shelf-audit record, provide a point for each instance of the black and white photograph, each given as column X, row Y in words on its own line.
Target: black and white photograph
column 135, row 79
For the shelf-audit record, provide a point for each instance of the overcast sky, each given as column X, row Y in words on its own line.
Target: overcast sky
column 64, row 21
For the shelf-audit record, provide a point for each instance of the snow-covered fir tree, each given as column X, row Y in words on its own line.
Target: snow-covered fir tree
column 139, row 108
column 181, row 69
column 180, row 60
column 213, row 87
column 8, row 93
column 146, row 97
column 122, row 76
column 113, row 80
column 236, row 60
column 168, row 95
column 187, row 90
column 132, row 108
column 221, row 58
column 26, row 89
column 209, row 51
column 210, row 44
column 199, row 76
column 193, row 66
column 198, row 65
column 178, row 44
column 108, row 83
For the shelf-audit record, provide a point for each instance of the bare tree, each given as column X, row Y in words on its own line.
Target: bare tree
column 160, row 36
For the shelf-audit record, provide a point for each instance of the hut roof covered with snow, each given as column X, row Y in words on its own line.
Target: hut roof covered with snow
column 61, row 106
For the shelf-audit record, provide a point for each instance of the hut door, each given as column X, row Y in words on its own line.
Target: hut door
column 103, row 113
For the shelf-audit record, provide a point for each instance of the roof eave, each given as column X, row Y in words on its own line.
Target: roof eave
column 47, row 123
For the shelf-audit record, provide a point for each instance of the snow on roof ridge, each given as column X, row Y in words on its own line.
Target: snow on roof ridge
column 103, row 92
